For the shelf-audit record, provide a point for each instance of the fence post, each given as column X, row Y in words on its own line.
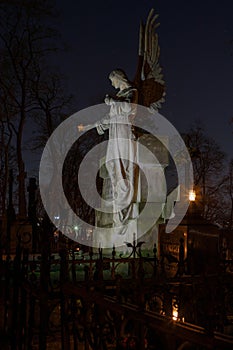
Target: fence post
column 64, row 302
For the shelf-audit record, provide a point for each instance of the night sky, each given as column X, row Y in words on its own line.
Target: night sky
column 196, row 56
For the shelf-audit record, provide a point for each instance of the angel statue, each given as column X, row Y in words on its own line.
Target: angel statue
column 148, row 90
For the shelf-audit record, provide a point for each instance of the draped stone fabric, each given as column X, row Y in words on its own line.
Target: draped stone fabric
column 121, row 157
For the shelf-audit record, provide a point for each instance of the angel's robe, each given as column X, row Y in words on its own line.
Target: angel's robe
column 121, row 157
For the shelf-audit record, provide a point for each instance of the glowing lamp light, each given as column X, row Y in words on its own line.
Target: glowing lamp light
column 192, row 196
column 174, row 314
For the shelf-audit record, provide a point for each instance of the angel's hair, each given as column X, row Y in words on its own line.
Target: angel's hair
column 119, row 74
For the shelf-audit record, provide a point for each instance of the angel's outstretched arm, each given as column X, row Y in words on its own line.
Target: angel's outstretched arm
column 100, row 126
column 82, row 127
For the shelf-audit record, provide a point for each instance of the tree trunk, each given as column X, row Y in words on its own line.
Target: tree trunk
column 21, row 168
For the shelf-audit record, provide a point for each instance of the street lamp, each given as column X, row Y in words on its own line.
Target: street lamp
column 192, row 195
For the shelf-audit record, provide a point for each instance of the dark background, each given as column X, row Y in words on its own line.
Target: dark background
column 196, row 55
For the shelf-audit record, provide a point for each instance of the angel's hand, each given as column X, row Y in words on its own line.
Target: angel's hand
column 107, row 100
column 81, row 127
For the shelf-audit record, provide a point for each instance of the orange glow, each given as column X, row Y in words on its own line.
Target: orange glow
column 192, row 196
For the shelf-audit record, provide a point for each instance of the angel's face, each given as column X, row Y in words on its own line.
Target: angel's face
column 115, row 82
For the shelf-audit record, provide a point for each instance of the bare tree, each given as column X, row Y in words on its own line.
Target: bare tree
column 231, row 193
column 5, row 145
column 7, row 151
column 227, row 198
column 208, row 166
column 52, row 106
column 25, row 40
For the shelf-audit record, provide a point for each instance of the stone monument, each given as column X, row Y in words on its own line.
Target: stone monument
column 127, row 203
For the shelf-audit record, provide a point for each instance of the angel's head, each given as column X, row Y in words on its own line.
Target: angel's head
column 119, row 79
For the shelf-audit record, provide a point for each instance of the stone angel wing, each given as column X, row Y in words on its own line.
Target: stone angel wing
column 149, row 78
